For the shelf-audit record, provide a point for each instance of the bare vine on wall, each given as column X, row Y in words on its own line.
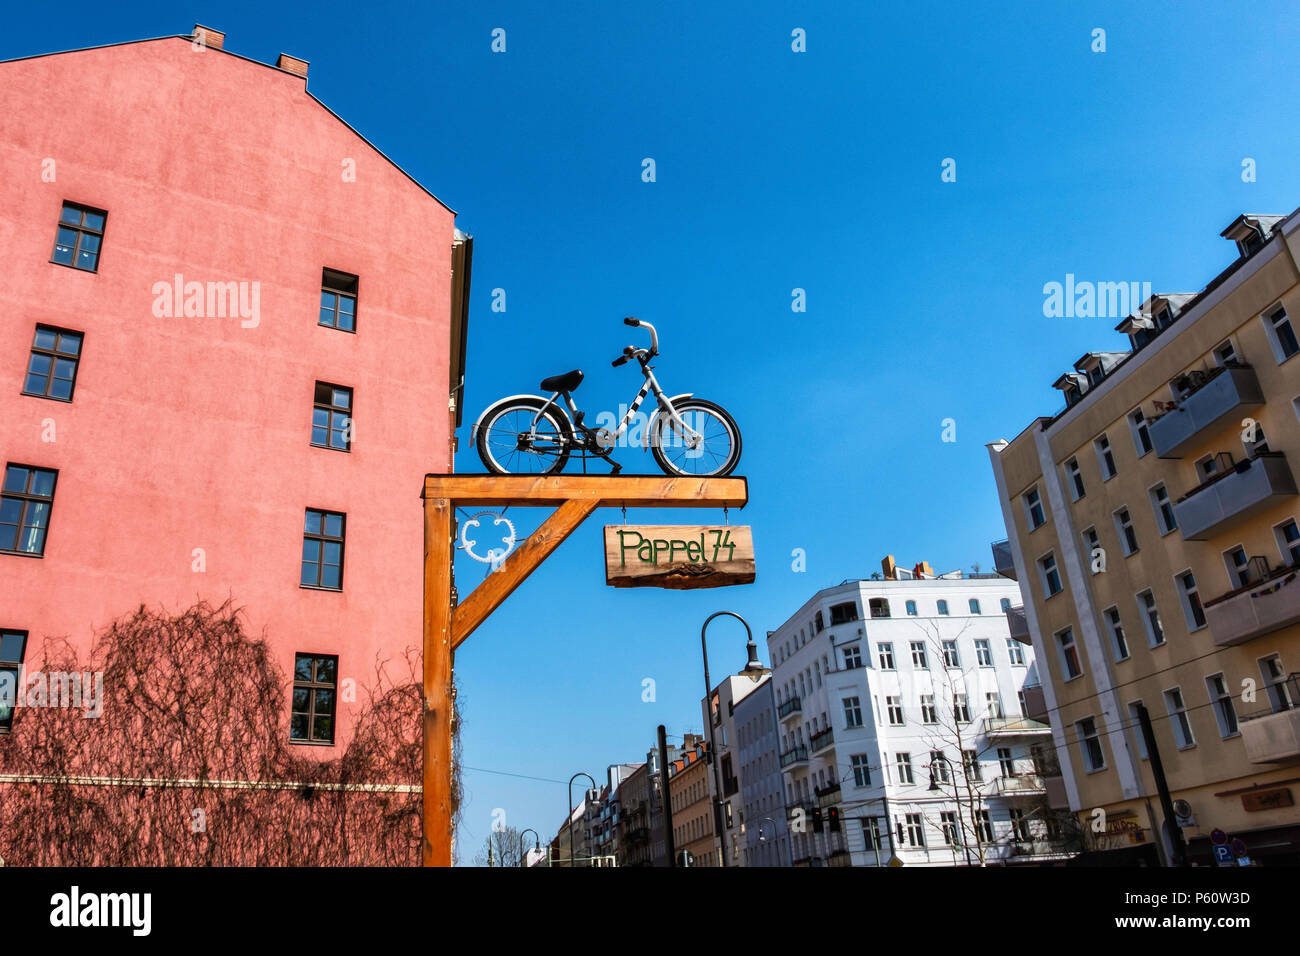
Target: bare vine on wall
column 190, row 764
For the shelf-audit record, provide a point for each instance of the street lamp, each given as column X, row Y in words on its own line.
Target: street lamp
column 537, row 843
column 752, row 666
column 593, row 787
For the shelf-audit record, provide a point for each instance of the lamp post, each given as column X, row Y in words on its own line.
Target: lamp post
column 934, row 785
column 593, row 787
column 537, row 843
column 752, row 665
column 759, row 827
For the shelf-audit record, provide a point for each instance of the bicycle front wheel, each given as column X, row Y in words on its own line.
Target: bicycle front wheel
column 710, row 446
column 513, row 440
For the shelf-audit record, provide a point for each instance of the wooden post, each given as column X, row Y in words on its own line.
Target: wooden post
column 438, row 614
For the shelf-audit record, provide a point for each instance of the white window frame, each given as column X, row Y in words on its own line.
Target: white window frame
column 1074, row 478
column 1179, row 722
column 1090, row 545
column 1029, row 508
column 1284, row 549
column 1185, row 598
column 1048, row 593
column 1105, row 457
column 1144, row 611
column 1118, row 636
column 1138, row 430
column 1216, row 687
column 1170, row 525
column 1271, row 323
column 983, row 652
column 1062, row 651
column 1083, row 743
column 1016, row 652
column 1120, row 526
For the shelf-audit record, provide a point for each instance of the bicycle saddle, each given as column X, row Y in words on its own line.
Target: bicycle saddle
column 562, row 383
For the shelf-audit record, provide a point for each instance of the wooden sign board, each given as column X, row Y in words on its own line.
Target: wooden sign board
column 681, row 557
column 1267, row 800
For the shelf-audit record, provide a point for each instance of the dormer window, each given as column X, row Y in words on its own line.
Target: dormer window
column 1250, row 243
column 1096, row 374
column 1164, row 318
column 1073, row 394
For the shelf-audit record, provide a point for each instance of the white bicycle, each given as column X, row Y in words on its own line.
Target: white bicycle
column 533, row 435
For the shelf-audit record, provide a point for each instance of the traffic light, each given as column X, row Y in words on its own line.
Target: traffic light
column 818, row 826
column 833, row 815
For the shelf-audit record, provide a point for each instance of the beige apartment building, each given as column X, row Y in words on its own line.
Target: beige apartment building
column 688, row 789
column 1153, row 531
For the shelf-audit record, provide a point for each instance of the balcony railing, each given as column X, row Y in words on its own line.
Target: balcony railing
column 1220, row 397
column 1248, row 487
column 1002, row 561
column 791, row 707
column 1015, row 727
column 1272, row 738
column 821, row 740
column 1019, row 785
column 1259, row 608
column 828, row 796
column 795, row 755
column 1018, row 624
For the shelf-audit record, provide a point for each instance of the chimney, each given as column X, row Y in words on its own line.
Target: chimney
column 923, row 570
column 888, row 566
column 210, row 38
column 291, row 64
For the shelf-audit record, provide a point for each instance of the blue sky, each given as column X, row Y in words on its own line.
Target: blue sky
column 775, row 170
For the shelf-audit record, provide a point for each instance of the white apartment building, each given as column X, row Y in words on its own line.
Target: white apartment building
column 719, row 708
column 904, row 728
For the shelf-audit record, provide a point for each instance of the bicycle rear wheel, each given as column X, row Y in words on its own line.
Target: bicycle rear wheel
column 509, row 443
column 710, row 449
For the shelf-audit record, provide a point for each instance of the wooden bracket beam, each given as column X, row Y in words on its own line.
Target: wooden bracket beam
column 447, row 627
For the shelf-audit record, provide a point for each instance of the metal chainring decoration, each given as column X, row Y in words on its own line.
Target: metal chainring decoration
column 494, row 556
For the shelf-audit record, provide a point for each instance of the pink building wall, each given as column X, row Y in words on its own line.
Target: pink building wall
column 190, row 433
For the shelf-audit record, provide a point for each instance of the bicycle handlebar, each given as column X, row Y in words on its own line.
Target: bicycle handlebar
column 631, row 350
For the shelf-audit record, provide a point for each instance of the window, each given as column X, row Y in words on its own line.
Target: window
column 1274, row 673
column 1090, row 744
column 25, row 506
column 915, row 830
column 939, row 767
column 948, row 823
column 894, row 710
column 338, row 300
column 929, row 713
column 960, row 708
column 1074, row 479
column 322, row 550
column 1225, row 713
column 1288, row 542
column 1135, row 724
column 1137, row 423
column 1050, row 575
column 1151, row 618
column 1069, row 652
column 919, row 659
column 993, row 706
column 879, row 608
column 852, row 658
column 52, row 368
column 1116, row 628
column 1016, row 652
column 950, row 656
column 1164, row 510
column 903, row 764
column 885, row 653
column 331, row 417
column 1020, row 825
column 1124, row 528
column 1225, row 354
column 1191, row 601
column 1006, row 763
column 315, row 679
column 844, row 613
column 80, row 233
column 974, row 605
column 1023, row 701
column 818, row 623
column 970, row 763
column 1034, row 509
column 852, row 712
column 983, row 653
column 12, row 645
column 1005, row 605
column 1092, row 544
column 1105, row 458
column 1280, row 334
column 984, row 826
column 911, row 608
column 1178, row 719
column 861, row 770
column 1238, row 566
column 942, row 608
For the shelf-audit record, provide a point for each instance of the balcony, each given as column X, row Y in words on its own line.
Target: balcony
column 820, row 741
column 1001, row 727
column 639, row 836
column 1002, row 561
column 793, row 757
column 1050, row 849
column 1019, row 785
column 828, row 796
column 1259, row 608
column 1272, row 738
column 791, row 708
column 1248, row 487
column 1018, row 624
column 1223, row 397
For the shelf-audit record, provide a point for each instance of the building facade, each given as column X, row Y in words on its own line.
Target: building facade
column 1152, row 526
column 692, row 808
column 765, row 840
column 719, row 709
column 902, row 704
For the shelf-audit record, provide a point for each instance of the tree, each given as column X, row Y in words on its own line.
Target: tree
column 501, row 848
